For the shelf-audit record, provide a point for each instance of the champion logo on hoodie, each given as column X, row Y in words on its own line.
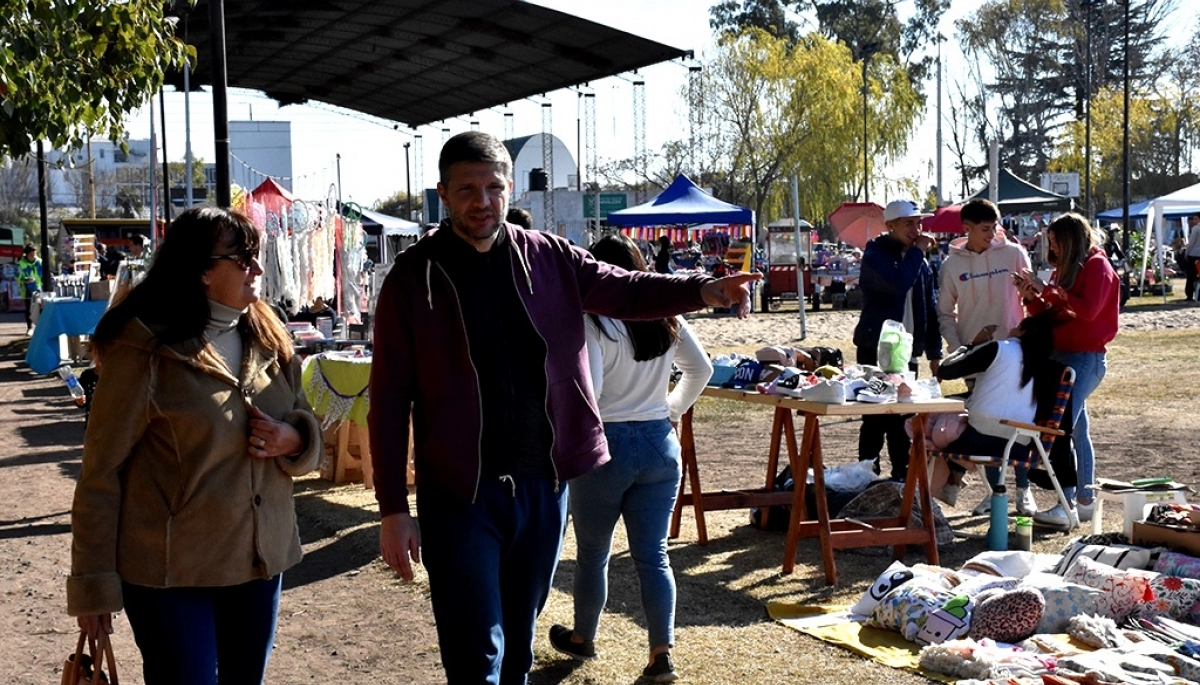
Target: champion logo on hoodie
column 964, row 277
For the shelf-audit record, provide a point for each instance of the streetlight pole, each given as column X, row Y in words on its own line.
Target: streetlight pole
column 1125, row 143
column 1087, row 104
column 866, row 51
column 407, row 184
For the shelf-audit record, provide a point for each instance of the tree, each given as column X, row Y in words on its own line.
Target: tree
column 397, row 205
column 177, row 173
column 780, row 109
column 1153, row 146
column 18, row 189
column 731, row 16
column 70, row 68
column 1029, row 63
column 868, row 27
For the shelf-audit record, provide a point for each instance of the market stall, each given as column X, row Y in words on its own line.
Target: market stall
column 685, row 213
column 309, row 250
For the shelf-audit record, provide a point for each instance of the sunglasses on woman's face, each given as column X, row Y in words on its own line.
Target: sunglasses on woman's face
column 244, row 257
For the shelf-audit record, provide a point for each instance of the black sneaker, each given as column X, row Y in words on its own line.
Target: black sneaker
column 662, row 670
column 560, row 640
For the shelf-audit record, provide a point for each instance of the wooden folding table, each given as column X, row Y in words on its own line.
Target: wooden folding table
column 833, row 533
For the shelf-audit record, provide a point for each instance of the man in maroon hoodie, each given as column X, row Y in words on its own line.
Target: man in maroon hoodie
column 479, row 340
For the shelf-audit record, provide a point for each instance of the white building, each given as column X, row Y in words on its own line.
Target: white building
column 526, row 153
column 259, row 149
column 569, row 208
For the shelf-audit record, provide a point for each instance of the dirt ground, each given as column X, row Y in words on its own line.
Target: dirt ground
column 346, row 618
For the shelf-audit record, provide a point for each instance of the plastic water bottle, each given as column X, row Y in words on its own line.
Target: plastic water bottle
column 997, row 535
column 1023, row 540
column 66, row 373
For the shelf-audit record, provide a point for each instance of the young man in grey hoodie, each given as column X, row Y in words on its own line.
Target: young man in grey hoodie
column 977, row 302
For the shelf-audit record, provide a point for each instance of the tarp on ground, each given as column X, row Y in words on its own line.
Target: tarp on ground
column 683, row 202
column 1018, row 196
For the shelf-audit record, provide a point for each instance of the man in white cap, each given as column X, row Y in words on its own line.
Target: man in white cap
column 898, row 284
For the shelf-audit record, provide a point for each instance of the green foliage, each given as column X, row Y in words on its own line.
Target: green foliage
column 178, row 173
column 1029, row 63
column 867, row 27
column 70, row 68
column 781, row 108
column 731, row 16
column 1156, row 147
column 397, row 205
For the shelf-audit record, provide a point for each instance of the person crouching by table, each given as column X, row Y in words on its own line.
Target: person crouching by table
column 183, row 514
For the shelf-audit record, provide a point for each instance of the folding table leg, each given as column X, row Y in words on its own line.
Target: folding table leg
column 917, row 484
column 800, row 464
column 782, row 416
column 364, row 456
column 691, row 477
column 819, row 494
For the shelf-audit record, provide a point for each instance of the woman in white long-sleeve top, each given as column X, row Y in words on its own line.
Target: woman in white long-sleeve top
column 631, row 369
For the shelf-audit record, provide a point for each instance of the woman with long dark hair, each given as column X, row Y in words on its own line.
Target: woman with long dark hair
column 631, row 369
column 183, row 513
column 1084, row 294
column 1010, row 376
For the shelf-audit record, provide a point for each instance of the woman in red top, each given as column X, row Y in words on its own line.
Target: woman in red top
column 1085, row 290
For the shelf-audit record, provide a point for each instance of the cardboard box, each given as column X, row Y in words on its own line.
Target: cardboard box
column 99, row 290
column 1186, row 540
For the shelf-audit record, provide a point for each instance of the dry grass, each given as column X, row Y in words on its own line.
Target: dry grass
column 1140, row 418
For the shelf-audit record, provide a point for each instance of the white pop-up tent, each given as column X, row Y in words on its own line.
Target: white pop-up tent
column 1156, row 211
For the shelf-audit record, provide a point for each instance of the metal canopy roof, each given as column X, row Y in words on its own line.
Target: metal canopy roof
column 412, row 61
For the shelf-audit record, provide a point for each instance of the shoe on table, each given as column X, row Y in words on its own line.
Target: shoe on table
column 1026, row 506
column 949, row 493
column 985, row 506
column 662, row 670
column 560, row 640
column 1085, row 511
column 1056, row 516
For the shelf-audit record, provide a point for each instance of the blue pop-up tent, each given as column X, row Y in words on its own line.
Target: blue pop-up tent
column 683, row 202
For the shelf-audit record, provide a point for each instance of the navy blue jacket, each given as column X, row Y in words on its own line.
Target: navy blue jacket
column 888, row 273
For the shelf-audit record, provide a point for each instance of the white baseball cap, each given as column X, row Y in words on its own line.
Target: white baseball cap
column 902, row 209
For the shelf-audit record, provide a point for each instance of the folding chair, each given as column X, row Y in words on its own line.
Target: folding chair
column 1043, row 434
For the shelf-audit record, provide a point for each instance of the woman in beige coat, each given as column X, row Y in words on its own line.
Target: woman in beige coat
column 183, row 513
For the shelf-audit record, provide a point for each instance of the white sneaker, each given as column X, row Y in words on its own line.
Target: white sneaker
column 949, row 493
column 1056, row 516
column 985, row 506
column 1085, row 511
column 1026, row 506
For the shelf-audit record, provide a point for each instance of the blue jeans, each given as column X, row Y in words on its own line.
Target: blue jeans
column 490, row 566
column 204, row 635
column 973, row 442
column 640, row 484
column 1090, row 368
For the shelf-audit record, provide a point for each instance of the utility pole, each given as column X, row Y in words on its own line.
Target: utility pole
column 1087, row 112
column 940, row 195
column 865, row 53
column 1125, row 143
column 220, row 101
column 407, row 183
column 162, row 125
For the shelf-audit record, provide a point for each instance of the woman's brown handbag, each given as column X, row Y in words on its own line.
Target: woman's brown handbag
column 84, row 667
